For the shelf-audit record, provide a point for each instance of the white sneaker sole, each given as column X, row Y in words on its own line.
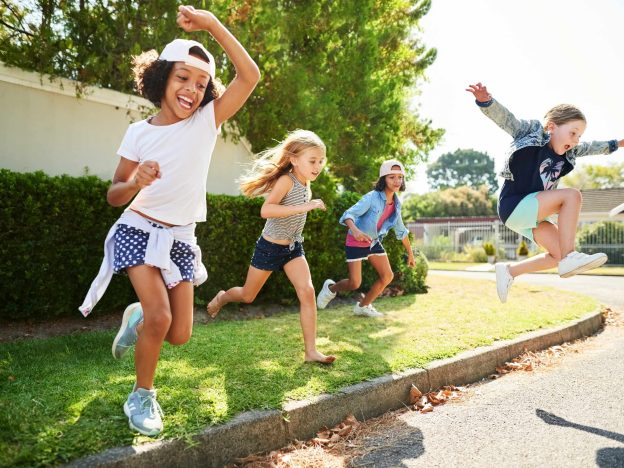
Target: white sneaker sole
column 588, row 266
column 326, row 285
column 502, row 296
column 124, row 324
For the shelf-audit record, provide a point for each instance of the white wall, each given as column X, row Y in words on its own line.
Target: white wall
column 44, row 126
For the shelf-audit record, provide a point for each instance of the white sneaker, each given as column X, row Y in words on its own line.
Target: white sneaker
column 366, row 311
column 503, row 280
column 578, row 262
column 325, row 296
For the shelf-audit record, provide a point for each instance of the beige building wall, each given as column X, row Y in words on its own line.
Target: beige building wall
column 44, row 126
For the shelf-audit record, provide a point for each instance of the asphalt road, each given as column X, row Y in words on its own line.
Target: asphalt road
column 566, row 415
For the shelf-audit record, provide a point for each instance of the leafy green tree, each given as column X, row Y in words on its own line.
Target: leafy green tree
column 345, row 69
column 460, row 201
column 463, row 167
column 596, row 177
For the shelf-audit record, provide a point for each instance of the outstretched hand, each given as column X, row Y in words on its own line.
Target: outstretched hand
column 191, row 19
column 480, row 92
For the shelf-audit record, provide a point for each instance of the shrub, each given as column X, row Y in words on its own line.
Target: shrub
column 488, row 248
column 51, row 246
column 523, row 249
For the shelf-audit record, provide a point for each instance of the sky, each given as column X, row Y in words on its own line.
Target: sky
column 531, row 55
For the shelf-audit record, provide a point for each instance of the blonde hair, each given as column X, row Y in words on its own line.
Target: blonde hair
column 274, row 162
column 562, row 114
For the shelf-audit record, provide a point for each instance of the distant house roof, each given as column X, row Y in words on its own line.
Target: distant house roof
column 601, row 200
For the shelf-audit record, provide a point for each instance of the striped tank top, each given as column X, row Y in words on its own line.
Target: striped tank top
column 289, row 227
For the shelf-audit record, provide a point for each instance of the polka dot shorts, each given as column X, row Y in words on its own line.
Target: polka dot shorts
column 130, row 246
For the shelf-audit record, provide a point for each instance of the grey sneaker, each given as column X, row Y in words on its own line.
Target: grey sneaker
column 504, row 280
column 144, row 413
column 578, row 262
column 127, row 334
column 325, row 296
column 366, row 311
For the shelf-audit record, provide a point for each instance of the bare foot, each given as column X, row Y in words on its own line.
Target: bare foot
column 215, row 305
column 320, row 358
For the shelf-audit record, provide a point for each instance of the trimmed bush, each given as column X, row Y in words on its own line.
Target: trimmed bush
column 51, row 246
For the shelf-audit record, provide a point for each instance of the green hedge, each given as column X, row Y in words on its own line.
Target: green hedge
column 53, row 229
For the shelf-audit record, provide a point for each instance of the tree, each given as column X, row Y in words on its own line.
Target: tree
column 346, row 70
column 596, row 177
column 460, row 201
column 463, row 167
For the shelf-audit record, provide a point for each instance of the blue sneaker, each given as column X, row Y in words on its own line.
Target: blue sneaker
column 127, row 334
column 144, row 413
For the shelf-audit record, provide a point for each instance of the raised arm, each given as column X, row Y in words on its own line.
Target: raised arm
column 247, row 72
column 498, row 113
column 596, row 147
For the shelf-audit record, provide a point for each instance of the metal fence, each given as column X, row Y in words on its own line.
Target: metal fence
column 455, row 235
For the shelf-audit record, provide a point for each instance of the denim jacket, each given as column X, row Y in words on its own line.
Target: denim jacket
column 531, row 133
column 366, row 213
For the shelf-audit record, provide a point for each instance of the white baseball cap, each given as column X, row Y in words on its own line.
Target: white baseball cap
column 386, row 168
column 178, row 51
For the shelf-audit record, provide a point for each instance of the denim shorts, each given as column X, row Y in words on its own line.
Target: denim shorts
column 130, row 246
column 355, row 254
column 270, row 256
column 523, row 219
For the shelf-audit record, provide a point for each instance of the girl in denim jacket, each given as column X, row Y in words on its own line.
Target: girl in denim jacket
column 528, row 202
column 369, row 220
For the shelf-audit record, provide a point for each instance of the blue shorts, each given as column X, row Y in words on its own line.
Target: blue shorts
column 270, row 256
column 523, row 219
column 130, row 246
column 355, row 254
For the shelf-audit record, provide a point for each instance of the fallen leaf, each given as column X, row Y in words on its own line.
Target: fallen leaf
column 427, row 408
column 414, row 394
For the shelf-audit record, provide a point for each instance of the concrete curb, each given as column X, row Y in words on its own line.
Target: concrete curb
column 260, row 431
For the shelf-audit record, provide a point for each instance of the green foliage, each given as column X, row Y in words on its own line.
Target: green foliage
column 440, row 247
column 460, row 201
column 463, row 167
column 489, row 249
column 523, row 249
column 347, row 70
column 594, row 176
column 51, row 246
column 604, row 236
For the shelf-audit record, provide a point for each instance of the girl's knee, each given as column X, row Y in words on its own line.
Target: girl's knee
column 180, row 337
column 306, row 294
column 354, row 283
column 387, row 278
column 574, row 195
column 157, row 320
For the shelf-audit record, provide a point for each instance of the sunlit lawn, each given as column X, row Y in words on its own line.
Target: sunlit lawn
column 465, row 266
column 62, row 398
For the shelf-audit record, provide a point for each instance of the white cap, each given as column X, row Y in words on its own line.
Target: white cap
column 178, row 51
column 386, row 168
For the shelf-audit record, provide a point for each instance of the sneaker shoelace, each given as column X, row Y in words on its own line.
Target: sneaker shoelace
column 154, row 407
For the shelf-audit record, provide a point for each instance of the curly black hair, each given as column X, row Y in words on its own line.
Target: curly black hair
column 380, row 185
column 151, row 75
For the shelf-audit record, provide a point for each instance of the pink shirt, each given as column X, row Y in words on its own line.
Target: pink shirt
column 353, row 242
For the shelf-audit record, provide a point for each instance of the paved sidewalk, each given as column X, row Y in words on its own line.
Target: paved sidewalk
column 259, row 431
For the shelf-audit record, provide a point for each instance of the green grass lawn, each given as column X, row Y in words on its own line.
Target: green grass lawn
column 62, row 398
column 461, row 266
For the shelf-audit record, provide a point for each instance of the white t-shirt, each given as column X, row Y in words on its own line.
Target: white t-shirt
column 183, row 150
